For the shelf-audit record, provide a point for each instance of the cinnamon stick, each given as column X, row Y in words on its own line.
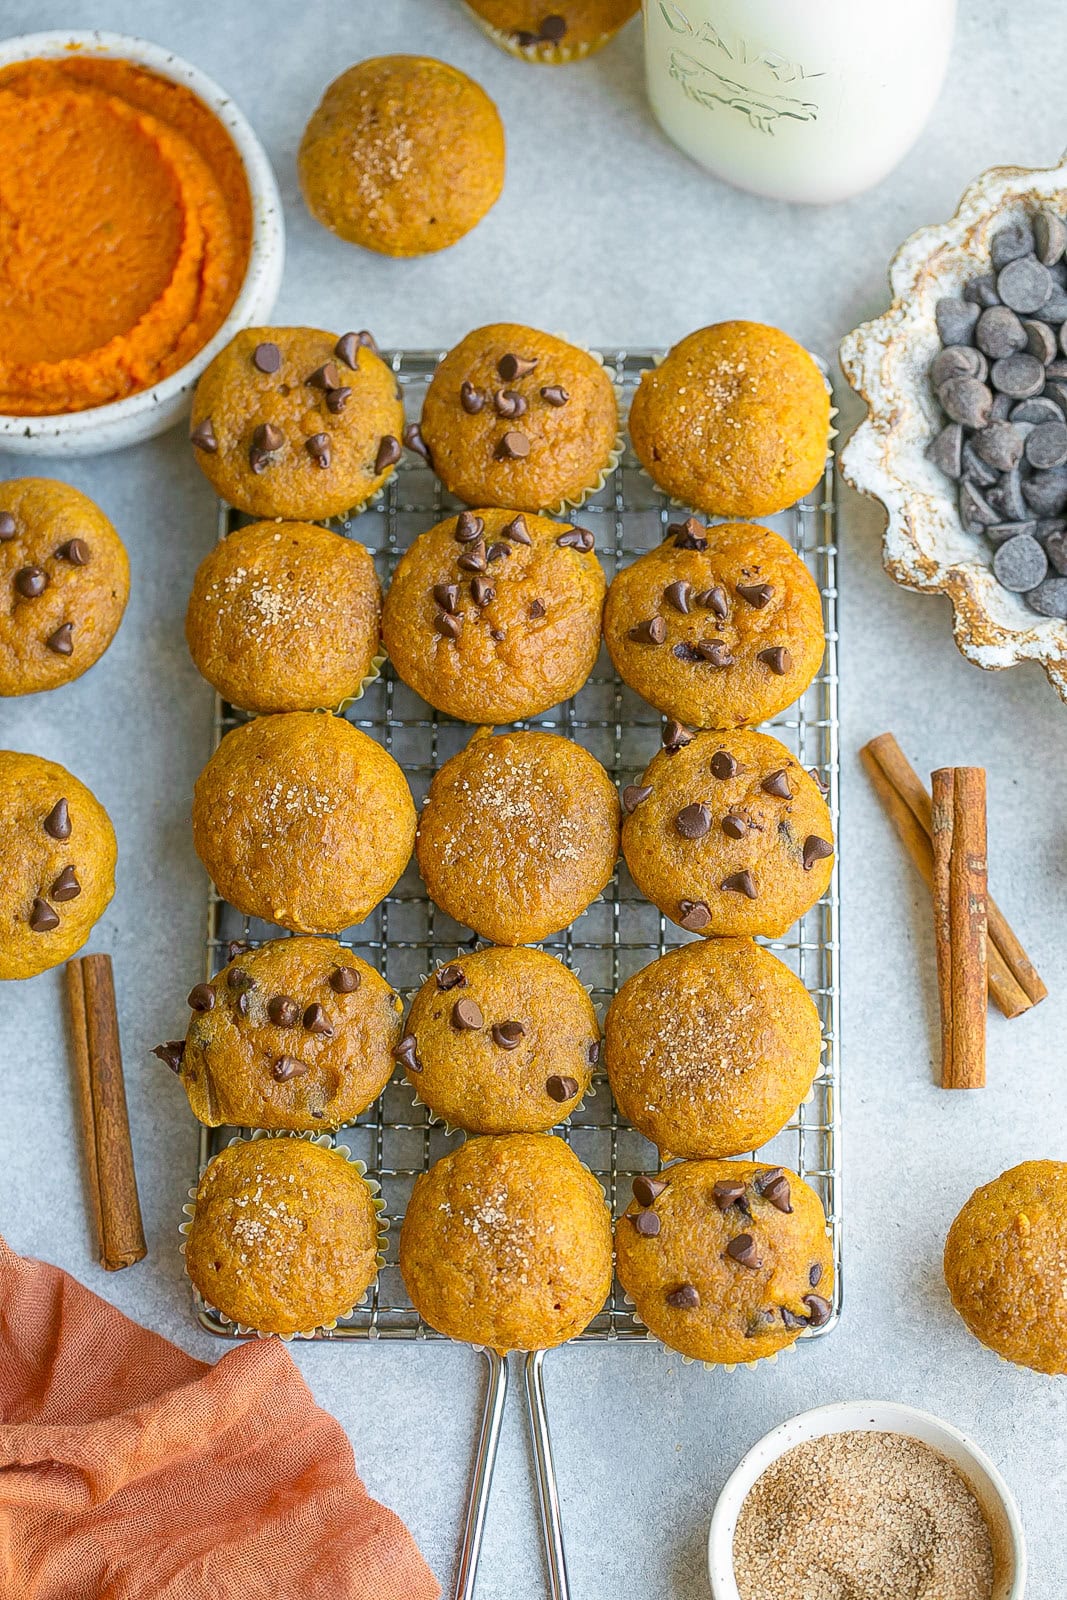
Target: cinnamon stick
column 958, row 819
column 1014, row 985
column 110, row 1175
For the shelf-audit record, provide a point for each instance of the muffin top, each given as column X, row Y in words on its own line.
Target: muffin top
column 65, row 580
column 519, row 834
column 564, row 30
column 1005, row 1259
column 494, row 615
column 507, row 1243
column 299, row 1033
column 284, row 1236
column 728, row 834
column 295, row 422
column 734, row 421
column 711, row 1048
column 501, row 1041
column 729, row 1261
column 718, row 626
column 404, row 155
column 284, row 616
column 517, row 418
column 303, row 820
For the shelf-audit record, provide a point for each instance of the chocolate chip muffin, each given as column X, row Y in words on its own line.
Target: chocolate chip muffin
column 298, row 1033
column 727, row 834
column 519, row 834
column 1004, row 1265
column 284, row 1235
column 294, row 422
column 517, row 418
column 404, row 155
column 66, row 578
column 303, row 820
column 726, row 1261
column 507, row 1243
column 711, row 1048
column 735, row 421
column 575, row 29
column 501, row 1041
column 57, row 864
column 285, row 616
column 718, row 626
column 493, row 616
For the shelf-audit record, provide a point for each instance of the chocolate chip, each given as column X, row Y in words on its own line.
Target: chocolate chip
column 966, row 400
column 469, row 528
column 689, row 535
column 777, row 784
column 815, row 849
column 471, row 399
column 467, row 1016
column 316, row 1021
column 1049, row 599
column 646, row 1189
column 791, row 1320
column 267, row 440
column 815, row 1273
column 1024, row 284
column 975, row 511
column 1040, row 341
column 509, row 1035
column 654, row 631
column 238, row 978
column 646, row 1223
column 42, row 918
column 325, row 377
column 955, row 319
column 957, row 362
column 482, row 591
column 7, row 526
column 982, row 289
column 577, row 539
column 773, row 1185
column 66, row 886
column 407, row 1053
column 203, row 437
column 777, row 658
column 677, row 595
column 473, row 557
column 998, row 333
column 516, row 530
column 451, row 978
column 634, row 795
column 389, row 453
column 693, row 821
column 554, row 394
column 536, row 610
column 201, row 997
column 714, row 600
column 318, row 448
column 57, row 822
column 593, row 1053
column 676, row 736
column 553, row 28
column 945, row 450
column 61, row 643
column 511, row 367
column 447, row 626
column 241, row 1004
column 266, row 357
column 287, row 1067
column 695, row 916
column 819, row 1310
column 348, row 345
column 740, row 883
column 685, row 1298
column 31, row 581
column 1020, row 564
column 1046, row 492
column 76, row 551
column 1013, row 240
column 1019, row 376
column 1000, row 444
column 757, row 594
column 336, row 399
column 743, row 1250
column 727, row 1192
column 723, row 765
column 558, row 1089
column 683, row 651
column 447, row 596
column 171, row 1053
column 283, row 1011
column 733, row 826
column 1046, row 446
column 507, row 403
column 757, row 1324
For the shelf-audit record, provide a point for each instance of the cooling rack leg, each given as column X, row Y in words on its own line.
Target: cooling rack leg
column 482, row 1478
column 547, row 1492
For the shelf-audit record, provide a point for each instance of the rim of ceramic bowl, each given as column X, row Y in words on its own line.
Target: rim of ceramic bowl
column 873, row 1416
column 267, row 250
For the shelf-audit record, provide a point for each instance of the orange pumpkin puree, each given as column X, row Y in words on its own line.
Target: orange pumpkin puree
column 125, row 229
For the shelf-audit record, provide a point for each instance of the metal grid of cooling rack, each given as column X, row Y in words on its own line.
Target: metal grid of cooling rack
column 407, row 936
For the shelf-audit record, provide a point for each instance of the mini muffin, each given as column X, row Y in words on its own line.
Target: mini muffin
column 519, row 834
column 576, row 28
column 517, row 418
column 507, row 1243
column 284, row 1235
column 294, row 422
column 66, row 580
column 495, row 616
column 404, row 155
column 299, row 1033
column 727, row 834
column 284, row 616
column 57, row 864
column 726, row 1261
column 501, row 1041
column 1004, row 1265
column 734, row 421
column 711, row 1048
column 303, row 820
column 717, row 626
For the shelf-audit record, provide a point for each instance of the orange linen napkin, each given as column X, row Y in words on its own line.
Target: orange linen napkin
column 128, row 1470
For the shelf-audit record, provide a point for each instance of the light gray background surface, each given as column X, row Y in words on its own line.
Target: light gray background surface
column 608, row 233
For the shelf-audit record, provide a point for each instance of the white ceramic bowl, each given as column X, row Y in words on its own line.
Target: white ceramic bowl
column 151, row 411
column 874, row 1416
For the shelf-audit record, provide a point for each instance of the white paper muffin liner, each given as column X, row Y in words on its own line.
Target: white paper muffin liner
column 542, row 54
column 711, row 1366
column 378, row 661
column 373, row 1186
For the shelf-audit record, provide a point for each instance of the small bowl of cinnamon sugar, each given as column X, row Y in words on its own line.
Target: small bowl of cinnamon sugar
column 866, row 1497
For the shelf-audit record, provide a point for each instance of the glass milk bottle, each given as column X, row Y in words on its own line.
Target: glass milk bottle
column 809, row 100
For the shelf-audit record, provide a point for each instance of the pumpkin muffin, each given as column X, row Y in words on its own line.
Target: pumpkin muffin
column 404, row 155
column 507, row 1243
column 517, row 418
column 494, row 616
column 575, row 29
column 1004, row 1265
column 65, row 580
column 303, row 820
column 299, row 1033
column 294, row 422
column 711, row 1048
column 726, row 1261
column 57, row 864
column 285, row 616
column 284, row 1235
column 727, row 834
column 717, row 626
column 501, row 1041
column 735, row 421
column 519, row 834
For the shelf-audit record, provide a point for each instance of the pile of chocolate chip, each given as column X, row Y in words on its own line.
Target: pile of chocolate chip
column 1001, row 378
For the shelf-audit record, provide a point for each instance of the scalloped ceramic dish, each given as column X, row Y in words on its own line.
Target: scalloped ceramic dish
column 886, row 361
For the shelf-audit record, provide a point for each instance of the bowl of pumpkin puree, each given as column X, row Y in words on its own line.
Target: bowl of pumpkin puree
column 140, row 227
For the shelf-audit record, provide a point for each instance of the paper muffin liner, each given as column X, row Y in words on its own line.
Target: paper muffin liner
column 543, row 53
column 712, row 1366
column 374, row 672
column 327, row 1143
column 614, row 456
